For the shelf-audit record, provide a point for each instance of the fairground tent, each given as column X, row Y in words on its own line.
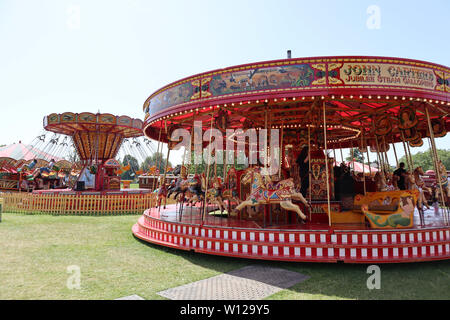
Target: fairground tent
column 358, row 166
column 19, row 151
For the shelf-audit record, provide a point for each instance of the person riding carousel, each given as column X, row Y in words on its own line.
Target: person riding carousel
column 399, row 176
column 303, row 168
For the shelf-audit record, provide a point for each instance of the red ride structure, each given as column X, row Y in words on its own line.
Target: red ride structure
column 97, row 139
column 306, row 211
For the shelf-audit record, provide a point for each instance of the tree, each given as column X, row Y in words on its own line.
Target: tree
column 134, row 166
column 357, row 156
column 153, row 160
column 72, row 156
column 425, row 159
column 219, row 168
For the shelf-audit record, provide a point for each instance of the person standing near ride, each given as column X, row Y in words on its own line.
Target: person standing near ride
column 400, row 174
column 303, row 168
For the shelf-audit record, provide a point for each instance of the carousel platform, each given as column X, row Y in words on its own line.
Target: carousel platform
column 293, row 241
column 91, row 192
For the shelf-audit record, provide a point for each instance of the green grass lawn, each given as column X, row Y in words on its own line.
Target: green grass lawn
column 35, row 252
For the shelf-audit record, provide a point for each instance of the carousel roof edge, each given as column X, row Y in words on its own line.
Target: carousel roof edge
column 316, row 59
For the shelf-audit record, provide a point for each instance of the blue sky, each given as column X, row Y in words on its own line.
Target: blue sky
column 122, row 51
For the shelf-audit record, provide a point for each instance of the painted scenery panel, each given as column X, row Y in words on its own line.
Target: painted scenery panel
column 170, row 97
column 301, row 75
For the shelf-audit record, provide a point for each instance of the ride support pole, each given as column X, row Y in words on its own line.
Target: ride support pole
column 309, row 169
column 326, row 162
column 438, row 174
column 207, row 172
column 395, row 152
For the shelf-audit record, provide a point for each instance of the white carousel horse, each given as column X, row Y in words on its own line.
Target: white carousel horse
column 420, row 185
column 261, row 193
column 410, row 183
column 380, row 182
column 444, row 179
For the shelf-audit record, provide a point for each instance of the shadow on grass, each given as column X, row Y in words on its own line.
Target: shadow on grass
column 421, row 280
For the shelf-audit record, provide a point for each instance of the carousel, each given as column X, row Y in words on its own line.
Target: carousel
column 91, row 184
column 295, row 200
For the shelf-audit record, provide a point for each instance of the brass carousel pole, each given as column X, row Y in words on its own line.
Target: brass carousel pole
column 157, row 160
column 363, row 165
column 395, row 152
column 388, row 167
column 281, row 150
column 161, row 158
column 309, row 168
column 207, row 171
column 352, row 155
column 380, row 162
column 326, row 163
column 406, row 150
column 410, row 157
column 438, row 173
column 340, row 149
column 368, row 160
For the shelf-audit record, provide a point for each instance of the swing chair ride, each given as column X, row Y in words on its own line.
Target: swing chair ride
column 312, row 209
column 90, row 182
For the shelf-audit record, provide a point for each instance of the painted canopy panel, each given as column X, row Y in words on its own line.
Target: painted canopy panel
column 308, row 74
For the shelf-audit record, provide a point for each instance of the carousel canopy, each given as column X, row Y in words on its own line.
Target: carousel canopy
column 20, row 151
column 95, row 136
column 367, row 101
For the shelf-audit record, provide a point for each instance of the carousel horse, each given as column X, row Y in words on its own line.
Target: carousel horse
column 282, row 192
column 178, row 191
column 444, row 180
column 231, row 192
column 162, row 193
column 214, row 193
column 195, row 192
column 380, row 182
column 410, row 183
column 420, row 185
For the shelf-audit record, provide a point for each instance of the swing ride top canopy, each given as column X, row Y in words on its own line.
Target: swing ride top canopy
column 363, row 98
column 95, row 136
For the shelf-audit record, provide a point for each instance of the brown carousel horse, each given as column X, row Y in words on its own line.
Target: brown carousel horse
column 262, row 191
column 230, row 193
column 195, row 192
column 178, row 191
column 214, row 193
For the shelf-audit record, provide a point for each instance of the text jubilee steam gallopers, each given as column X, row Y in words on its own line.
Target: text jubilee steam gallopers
column 260, row 177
